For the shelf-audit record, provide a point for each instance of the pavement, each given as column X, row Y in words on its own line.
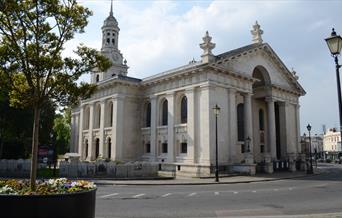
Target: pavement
column 205, row 181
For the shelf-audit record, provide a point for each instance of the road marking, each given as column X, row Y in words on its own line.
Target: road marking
column 139, row 195
column 275, row 189
column 235, row 193
column 290, row 189
column 168, row 194
column 106, row 196
column 192, row 194
column 254, row 191
column 217, row 193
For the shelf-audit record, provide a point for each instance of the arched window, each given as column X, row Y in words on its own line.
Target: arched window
column 97, row 78
column 111, row 114
column 113, row 41
column 164, row 113
column 261, row 120
column 240, row 122
column 148, row 115
column 108, row 40
column 86, row 148
column 184, row 110
column 109, row 148
column 97, row 148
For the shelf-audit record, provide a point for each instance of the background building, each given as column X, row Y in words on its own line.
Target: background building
column 332, row 144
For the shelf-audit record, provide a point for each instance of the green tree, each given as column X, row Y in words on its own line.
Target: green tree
column 32, row 36
column 62, row 131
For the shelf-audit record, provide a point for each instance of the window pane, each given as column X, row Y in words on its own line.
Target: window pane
column 184, row 147
column 184, row 110
column 240, row 122
column 164, row 147
column 261, row 120
column 148, row 115
column 165, row 113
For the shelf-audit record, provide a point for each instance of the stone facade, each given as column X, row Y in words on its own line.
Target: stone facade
column 168, row 118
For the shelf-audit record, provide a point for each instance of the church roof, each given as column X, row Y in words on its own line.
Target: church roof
column 237, row 51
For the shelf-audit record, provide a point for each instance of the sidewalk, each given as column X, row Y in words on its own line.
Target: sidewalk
column 206, row 181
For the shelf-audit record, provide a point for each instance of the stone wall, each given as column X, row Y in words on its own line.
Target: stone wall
column 107, row 169
column 15, row 168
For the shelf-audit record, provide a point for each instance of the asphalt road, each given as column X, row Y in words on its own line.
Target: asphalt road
column 319, row 194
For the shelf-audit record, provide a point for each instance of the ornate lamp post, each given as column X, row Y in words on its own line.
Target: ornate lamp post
column 216, row 112
column 334, row 43
column 310, row 170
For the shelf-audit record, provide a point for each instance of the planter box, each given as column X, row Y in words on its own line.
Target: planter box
column 75, row 205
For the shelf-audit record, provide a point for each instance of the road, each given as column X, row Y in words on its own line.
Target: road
column 318, row 194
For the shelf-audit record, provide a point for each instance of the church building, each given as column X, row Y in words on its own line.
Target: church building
column 169, row 118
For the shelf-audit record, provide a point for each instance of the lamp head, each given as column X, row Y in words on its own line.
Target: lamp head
column 334, row 43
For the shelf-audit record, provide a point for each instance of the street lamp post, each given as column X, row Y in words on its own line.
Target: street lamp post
column 216, row 112
column 334, row 43
column 310, row 170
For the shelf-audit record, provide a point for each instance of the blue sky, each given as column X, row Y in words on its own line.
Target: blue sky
column 159, row 35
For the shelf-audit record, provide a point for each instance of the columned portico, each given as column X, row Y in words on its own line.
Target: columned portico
column 102, row 122
column 91, row 147
column 80, row 131
column 248, row 122
column 190, row 94
column 153, row 128
column 271, row 128
column 170, row 130
column 117, row 127
column 233, row 125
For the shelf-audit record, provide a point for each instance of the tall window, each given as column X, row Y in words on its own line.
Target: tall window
column 86, row 148
column 261, row 120
column 148, row 115
column 164, row 147
column 184, row 110
column 164, row 113
column 97, row 148
column 111, row 115
column 240, row 122
column 109, row 148
column 97, row 78
column 98, row 116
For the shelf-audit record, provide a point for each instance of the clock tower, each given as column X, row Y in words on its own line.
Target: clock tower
column 110, row 41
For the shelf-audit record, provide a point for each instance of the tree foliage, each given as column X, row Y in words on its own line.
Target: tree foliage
column 33, row 34
column 62, row 131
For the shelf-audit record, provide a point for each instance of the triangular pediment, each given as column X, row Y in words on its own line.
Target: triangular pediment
column 245, row 59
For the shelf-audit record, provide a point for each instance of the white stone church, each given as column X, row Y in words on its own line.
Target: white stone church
column 169, row 117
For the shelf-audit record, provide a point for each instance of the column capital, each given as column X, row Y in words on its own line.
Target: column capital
column 232, row 90
column 247, row 94
column 269, row 99
column 152, row 97
column 117, row 97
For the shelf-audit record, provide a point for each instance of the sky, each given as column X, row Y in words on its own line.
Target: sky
column 156, row 36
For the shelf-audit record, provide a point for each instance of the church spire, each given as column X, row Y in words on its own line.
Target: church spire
column 111, row 8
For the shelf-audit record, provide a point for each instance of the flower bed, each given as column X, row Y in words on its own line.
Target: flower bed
column 44, row 187
column 52, row 198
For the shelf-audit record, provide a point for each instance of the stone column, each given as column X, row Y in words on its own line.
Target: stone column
column 80, row 135
column 170, row 127
column 91, row 145
column 153, row 127
column 190, row 95
column 232, row 125
column 102, row 124
column 249, row 127
column 271, row 148
column 117, row 128
column 299, row 148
